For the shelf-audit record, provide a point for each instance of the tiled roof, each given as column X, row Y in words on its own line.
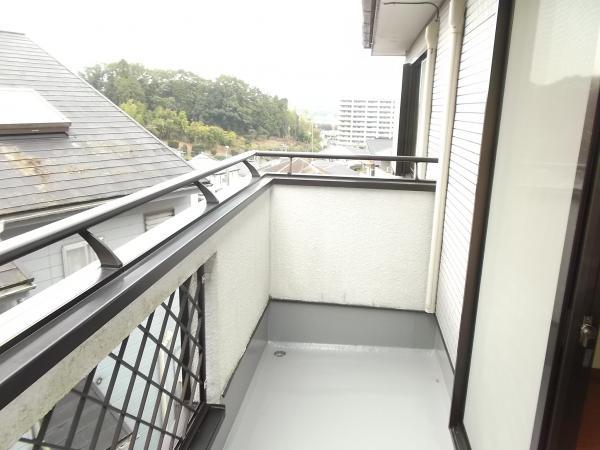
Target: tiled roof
column 105, row 154
column 317, row 167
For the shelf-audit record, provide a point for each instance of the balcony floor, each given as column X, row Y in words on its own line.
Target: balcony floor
column 342, row 397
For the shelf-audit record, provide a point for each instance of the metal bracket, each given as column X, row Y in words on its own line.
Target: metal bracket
column 252, row 169
column 210, row 198
column 108, row 259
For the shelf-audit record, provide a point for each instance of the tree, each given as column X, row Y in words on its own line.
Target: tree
column 181, row 105
column 168, row 124
column 137, row 110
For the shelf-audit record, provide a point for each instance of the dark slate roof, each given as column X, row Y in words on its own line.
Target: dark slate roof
column 66, row 411
column 106, row 154
column 11, row 276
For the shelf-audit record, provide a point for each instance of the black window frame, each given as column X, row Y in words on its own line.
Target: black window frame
column 408, row 123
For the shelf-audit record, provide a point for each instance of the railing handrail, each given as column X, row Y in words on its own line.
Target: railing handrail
column 41, row 237
column 354, row 156
column 80, row 223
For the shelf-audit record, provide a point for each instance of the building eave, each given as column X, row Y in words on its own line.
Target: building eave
column 391, row 27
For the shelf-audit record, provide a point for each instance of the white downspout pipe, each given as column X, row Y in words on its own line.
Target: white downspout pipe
column 431, row 41
column 456, row 22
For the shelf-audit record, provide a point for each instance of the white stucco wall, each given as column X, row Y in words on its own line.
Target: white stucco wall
column 350, row 246
column 339, row 245
column 237, row 291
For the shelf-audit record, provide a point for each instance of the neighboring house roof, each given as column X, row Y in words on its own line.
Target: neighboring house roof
column 339, row 150
column 380, row 146
column 299, row 165
column 106, row 154
column 334, row 168
column 13, row 280
column 70, row 407
column 319, row 167
column 205, row 162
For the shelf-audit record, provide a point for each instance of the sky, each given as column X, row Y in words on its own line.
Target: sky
column 309, row 51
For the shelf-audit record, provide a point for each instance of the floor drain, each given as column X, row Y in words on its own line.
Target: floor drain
column 279, row 353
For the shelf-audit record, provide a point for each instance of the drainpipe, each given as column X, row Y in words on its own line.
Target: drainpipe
column 456, row 21
column 431, row 40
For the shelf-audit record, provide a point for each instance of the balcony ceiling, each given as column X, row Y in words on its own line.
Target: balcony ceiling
column 391, row 29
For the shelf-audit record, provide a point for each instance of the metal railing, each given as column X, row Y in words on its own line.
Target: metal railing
column 146, row 393
column 36, row 348
column 80, row 223
column 416, row 160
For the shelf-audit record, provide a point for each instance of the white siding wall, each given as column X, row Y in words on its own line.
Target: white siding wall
column 471, row 97
column 46, row 265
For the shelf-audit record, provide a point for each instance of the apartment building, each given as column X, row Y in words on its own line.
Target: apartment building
column 363, row 119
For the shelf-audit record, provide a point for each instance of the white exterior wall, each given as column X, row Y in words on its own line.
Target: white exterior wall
column 471, row 99
column 350, row 246
column 550, row 63
column 237, row 290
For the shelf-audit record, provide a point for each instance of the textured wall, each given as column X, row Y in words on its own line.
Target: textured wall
column 350, row 246
column 339, row 245
column 237, row 292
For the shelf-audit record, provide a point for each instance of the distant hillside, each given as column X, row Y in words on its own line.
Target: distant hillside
column 200, row 115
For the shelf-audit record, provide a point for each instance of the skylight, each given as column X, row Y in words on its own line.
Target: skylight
column 25, row 111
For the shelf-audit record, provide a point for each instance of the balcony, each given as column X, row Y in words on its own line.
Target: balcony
column 287, row 314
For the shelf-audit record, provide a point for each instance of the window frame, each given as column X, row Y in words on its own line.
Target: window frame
column 410, row 107
column 170, row 211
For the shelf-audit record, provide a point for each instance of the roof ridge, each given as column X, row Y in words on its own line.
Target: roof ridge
column 65, row 181
column 12, row 32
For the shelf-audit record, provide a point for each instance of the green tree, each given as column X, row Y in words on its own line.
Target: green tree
column 168, row 102
column 137, row 110
column 168, row 124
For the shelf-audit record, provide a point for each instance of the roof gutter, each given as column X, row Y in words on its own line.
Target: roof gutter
column 369, row 8
column 20, row 288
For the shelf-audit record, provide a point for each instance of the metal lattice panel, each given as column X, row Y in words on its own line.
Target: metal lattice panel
column 144, row 394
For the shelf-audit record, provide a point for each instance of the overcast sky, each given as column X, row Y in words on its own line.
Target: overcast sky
column 309, row 51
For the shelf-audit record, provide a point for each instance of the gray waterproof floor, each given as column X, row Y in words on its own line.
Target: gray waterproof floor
column 343, row 398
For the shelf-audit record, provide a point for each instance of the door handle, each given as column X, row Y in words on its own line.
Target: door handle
column 587, row 332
